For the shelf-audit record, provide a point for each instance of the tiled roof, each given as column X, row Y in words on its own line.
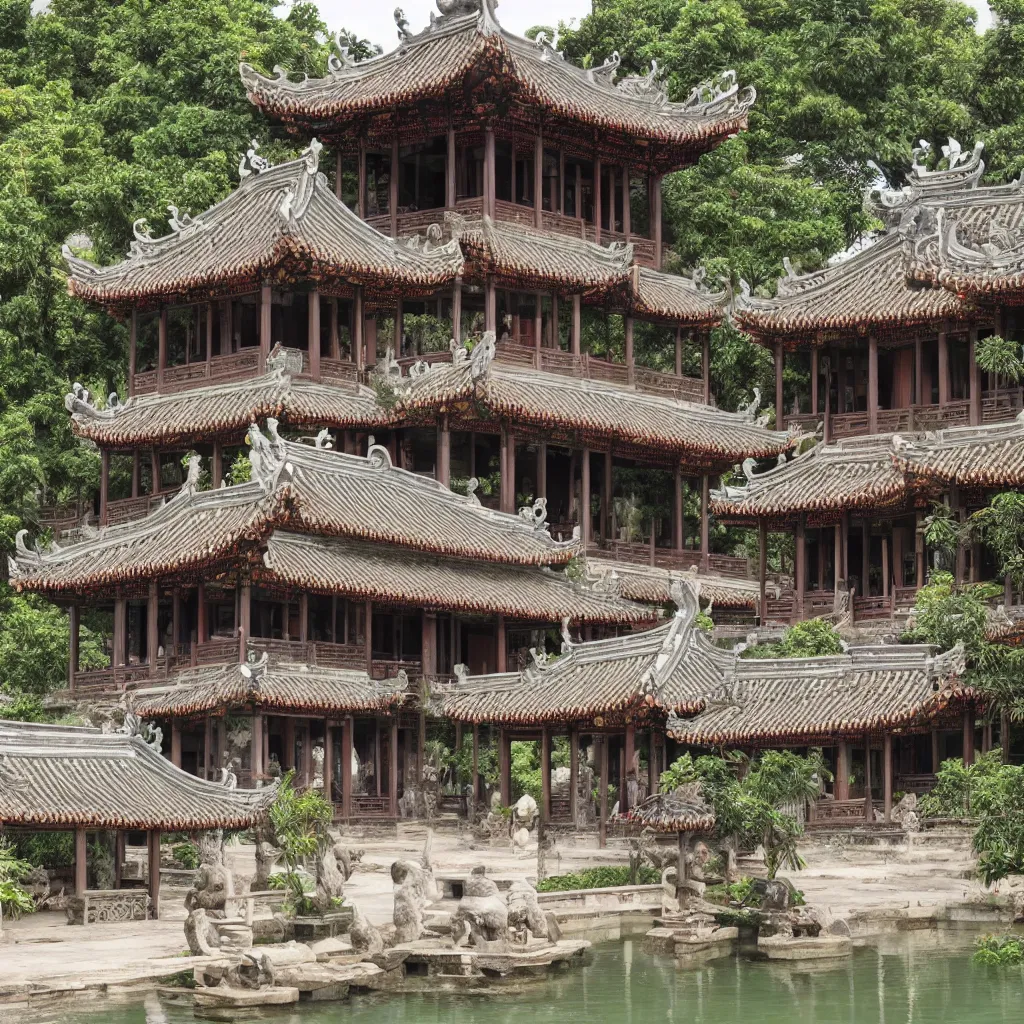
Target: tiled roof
column 868, row 290
column 596, row 411
column 663, row 669
column 809, row 700
column 276, row 686
column 523, row 258
column 681, row 810
column 653, row 584
column 310, row 490
column 853, row 473
column 380, row 572
column 879, row 471
column 987, row 456
column 675, row 668
column 676, row 299
column 57, row 776
column 283, row 217
column 467, row 58
column 225, row 410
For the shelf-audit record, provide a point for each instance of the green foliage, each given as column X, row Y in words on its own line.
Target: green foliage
column 14, row 900
column 1000, row 355
column 186, row 854
column 746, row 809
column 941, row 531
column 993, row 793
column 814, row 638
column 240, row 471
column 526, row 778
column 998, row 951
column 46, row 849
column 301, row 822
column 597, row 878
column 1000, row 526
column 34, row 650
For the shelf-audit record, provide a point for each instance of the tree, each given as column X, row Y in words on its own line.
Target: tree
column 814, row 638
column 301, row 822
column 998, row 87
column 747, row 805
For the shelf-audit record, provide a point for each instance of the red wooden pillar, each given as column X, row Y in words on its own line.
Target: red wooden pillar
column 968, row 729
column 872, row 384
column 677, row 509
column 679, row 351
column 603, row 814
column 266, row 324
column 585, row 499
column 705, row 536
column 368, row 637
column 120, row 629
column 104, row 484
column 81, row 862
column 313, row 338
column 943, row 367
column 244, row 621
column 346, row 767
column 545, row 774
column 814, row 380
column 630, row 360
column 358, row 325
column 655, row 201
column 153, row 849
column 843, row 771
column 393, row 768
column 176, row 742
column 505, row 768
column 762, row 558
column 457, row 310
column 444, row 451
column 152, row 630
column 630, row 748
column 869, row 810
column 133, row 334
column 574, row 763
column 598, row 203
column 780, row 412
column 705, row 363
column 975, row 379
column 502, row 645
column 576, row 322
column 217, row 466
column 74, row 618
column 161, row 349
column 476, row 764
column 393, row 188
column 538, row 179
column 800, row 570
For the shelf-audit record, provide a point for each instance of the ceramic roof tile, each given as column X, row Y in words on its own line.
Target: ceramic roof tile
column 58, row 776
column 310, row 490
column 274, row 686
column 676, row 299
column 285, row 216
column 465, row 54
column 192, row 417
column 380, row 572
column 594, row 409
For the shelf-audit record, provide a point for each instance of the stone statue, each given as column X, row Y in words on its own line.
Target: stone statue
column 482, row 915
column 201, row 934
column 212, row 886
column 266, row 855
column 364, row 936
column 525, row 915
column 410, row 900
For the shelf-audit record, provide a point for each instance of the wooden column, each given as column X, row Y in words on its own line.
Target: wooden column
column 628, row 751
column 705, row 542
column 444, row 452
column 943, row 367
column 490, row 305
column 538, row 180
column 217, row 466
column 502, row 641
column 450, row 194
column 104, row 484
column 679, row 352
column 153, row 868
column 762, row 558
column 872, row 384
column 266, row 324
column 393, row 188
column 574, row 338
column 919, row 551
column 585, row 499
column 842, row 789
column 74, row 621
column 869, row 811
column 574, row 769
column 655, row 200
column 303, row 617
column 346, row 767
column 81, row 862
column 598, row 204
column 837, row 556
column 678, row 528
column 885, row 566
column 780, row 412
column 507, row 489
column 176, row 742
column 368, row 637
column 457, row 311
column 120, row 641
column 652, row 762
column 398, row 338
column 136, row 473
column 918, row 372
column 393, row 767
column 800, row 569
column 627, row 213
column 545, row 775
column 155, row 472
column 202, row 628
column 865, row 558
column 887, row 776
column 428, row 626
column 208, row 763
column 630, row 360
column 603, row 817
column 505, row 768
column 814, row 380
column 244, row 620
column 489, row 174
column 968, row 729
column 358, row 328
column 542, row 470
column 133, row 335
column 705, row 363
column 161, row 351
column 152, row 631
column 606, row 498
column 975, row 379
column 476, row 764
column 313, row 340
column 538, row 328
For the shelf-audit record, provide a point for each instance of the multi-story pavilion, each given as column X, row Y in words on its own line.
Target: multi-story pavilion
column 889, row 348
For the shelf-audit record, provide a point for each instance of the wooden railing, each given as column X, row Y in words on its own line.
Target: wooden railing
column 111, row 680
column 996, row 407
column 923, row 782
column 220, row 369
column 669, row 558
column 59, row 519
column 124, row 510
column 866, row 608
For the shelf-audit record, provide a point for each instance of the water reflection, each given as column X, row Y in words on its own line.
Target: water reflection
column 918, row 978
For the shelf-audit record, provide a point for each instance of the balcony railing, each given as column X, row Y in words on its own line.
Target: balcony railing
column 996, row 407
column 124, row 510
column 669, row 558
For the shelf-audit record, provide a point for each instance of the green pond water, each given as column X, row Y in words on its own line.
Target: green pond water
column 922, row 978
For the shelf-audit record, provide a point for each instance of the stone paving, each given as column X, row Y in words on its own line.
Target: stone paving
column 848, row 880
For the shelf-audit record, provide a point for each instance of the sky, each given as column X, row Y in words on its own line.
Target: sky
column 375, row 20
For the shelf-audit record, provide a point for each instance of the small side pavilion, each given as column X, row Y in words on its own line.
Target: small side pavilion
column 70, row 778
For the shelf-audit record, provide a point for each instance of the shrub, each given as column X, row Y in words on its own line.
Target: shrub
column 999, row 951
column 597, row 878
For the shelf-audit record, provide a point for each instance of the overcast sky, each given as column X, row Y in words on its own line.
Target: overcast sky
column 375, row 20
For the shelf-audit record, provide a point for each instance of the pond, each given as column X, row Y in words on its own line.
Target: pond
column 919, row 978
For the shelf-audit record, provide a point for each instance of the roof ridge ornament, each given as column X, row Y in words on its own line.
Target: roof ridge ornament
column 195, row 469
column 132, row 726
column 647, row 87
column 250, row 165
column 536, row 514
column 267, row 455
column 377, row 455
column 404, row 35
column 719, row 94
column 482, row 356
column 604, row 74
column 339, row 61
